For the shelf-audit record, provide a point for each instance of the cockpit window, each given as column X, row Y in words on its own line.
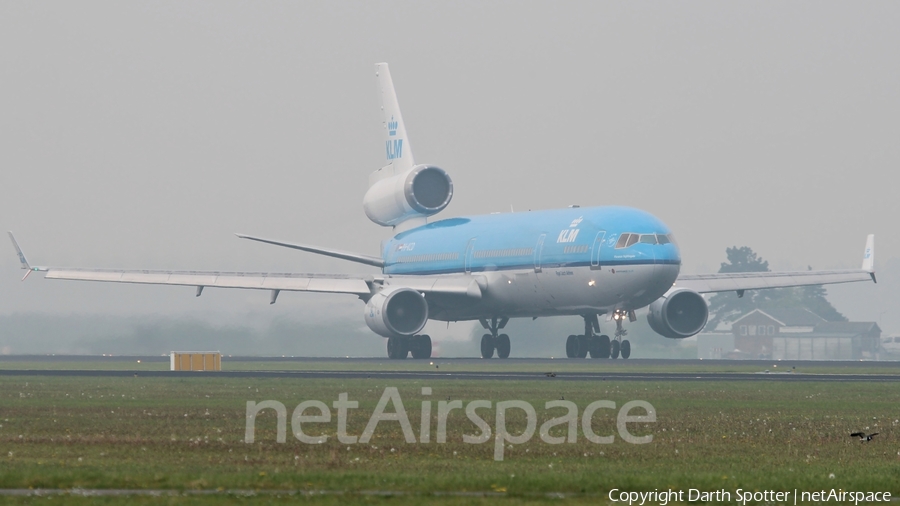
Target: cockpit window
column 628, row 239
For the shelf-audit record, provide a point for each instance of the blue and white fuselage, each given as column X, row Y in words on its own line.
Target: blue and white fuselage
column 543, row 263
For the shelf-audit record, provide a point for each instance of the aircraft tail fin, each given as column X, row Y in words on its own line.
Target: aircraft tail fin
column 396, row 143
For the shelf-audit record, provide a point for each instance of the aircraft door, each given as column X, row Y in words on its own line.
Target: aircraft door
column 470, row 254
column 538, row 249
column 596, row 248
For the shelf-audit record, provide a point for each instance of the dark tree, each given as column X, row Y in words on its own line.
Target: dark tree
column 743, row 259
column 726, row 306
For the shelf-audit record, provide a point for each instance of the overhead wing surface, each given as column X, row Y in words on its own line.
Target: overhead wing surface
column 707, row 283
column 740, row 281
column 247, row 280
column 329, row 283
column 362, row 286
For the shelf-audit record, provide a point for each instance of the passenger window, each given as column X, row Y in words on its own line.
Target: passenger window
column 622, row 240
column 648, row 239
column 633, row 238
column 662, row 239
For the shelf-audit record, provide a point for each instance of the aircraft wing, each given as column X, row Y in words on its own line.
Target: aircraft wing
column 362, row 286
column 740, row 281
column 203, row 279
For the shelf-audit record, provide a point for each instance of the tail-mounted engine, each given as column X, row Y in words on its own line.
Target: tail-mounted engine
column 422, row 191
column 678, row 314
column 396, row 311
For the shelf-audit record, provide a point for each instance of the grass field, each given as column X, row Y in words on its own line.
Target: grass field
column 187, row 434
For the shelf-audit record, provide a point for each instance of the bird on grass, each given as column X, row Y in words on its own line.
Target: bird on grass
column 863, row 437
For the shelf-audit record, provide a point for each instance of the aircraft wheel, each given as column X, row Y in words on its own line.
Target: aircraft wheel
column 603, row 346
column 421, row 346
column 487, row 346
column 626, row 349
column 397, row 347
column 582, row 346
column 614, row 349
column 572, row 346
column 594, row 346
column 503, row 346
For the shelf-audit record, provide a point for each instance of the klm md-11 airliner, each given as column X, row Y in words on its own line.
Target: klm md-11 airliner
column 586, row 262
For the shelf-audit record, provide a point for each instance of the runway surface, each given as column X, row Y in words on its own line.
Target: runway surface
column 549, row 369
column 762, row 364
column 500, row 376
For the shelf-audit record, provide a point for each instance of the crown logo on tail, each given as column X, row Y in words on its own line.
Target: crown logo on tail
column 392, row 127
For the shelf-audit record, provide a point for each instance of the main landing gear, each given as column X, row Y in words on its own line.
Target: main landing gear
column 399, row 347
column 492, row 341
column 599, row 346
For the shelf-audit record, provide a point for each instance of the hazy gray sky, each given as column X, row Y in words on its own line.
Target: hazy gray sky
column 144, row 134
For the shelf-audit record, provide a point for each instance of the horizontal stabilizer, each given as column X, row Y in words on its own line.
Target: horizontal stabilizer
column 343, row 255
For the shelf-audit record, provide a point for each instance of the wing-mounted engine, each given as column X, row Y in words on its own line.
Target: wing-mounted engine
column 679, row 313
column 420, row 192
column 397, row 311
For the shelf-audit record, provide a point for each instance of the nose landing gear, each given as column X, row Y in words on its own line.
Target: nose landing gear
column 493, row 341
column 620, row 345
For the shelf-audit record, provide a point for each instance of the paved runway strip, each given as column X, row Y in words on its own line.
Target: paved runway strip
column 482, row 376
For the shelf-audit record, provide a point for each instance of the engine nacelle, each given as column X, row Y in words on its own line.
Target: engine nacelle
column 678, row 314
column 423, row 191
column 396, row 311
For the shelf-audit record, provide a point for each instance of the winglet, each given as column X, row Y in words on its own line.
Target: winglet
column 19, row 252
column 25, row 264
column 868, row 264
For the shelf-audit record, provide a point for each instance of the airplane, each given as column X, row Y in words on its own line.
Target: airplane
column 589, row 262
